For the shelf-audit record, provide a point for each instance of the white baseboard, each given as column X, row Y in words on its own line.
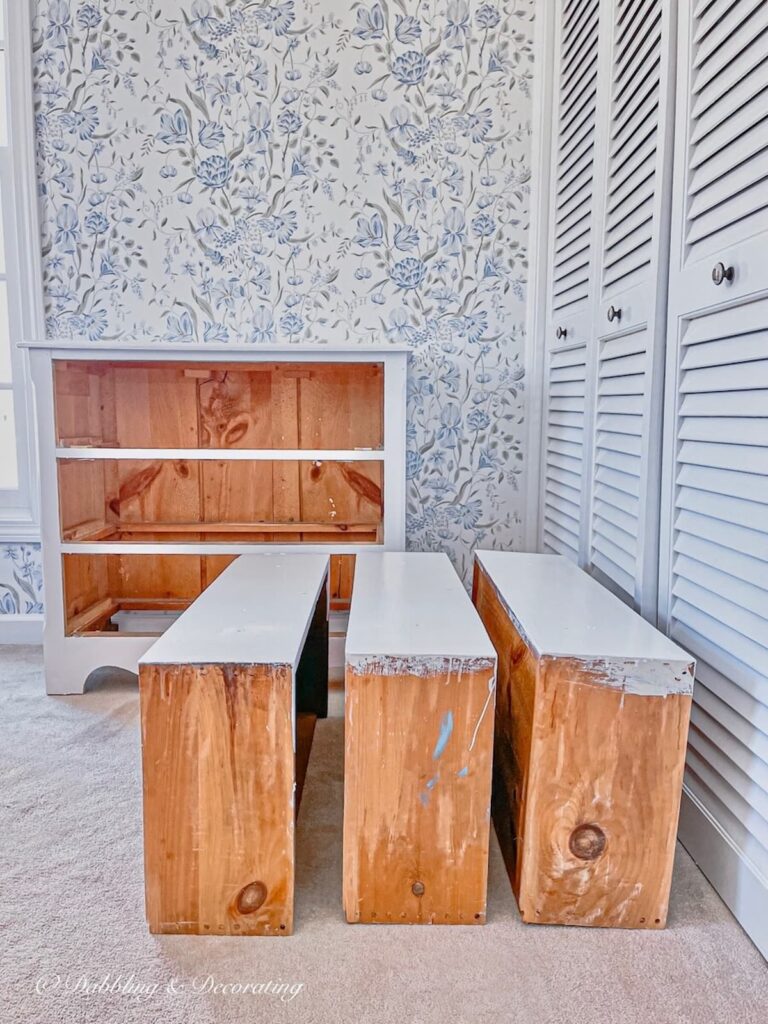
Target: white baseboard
column 335, row 703
column 337, row 626
column 738, row 883
column 21, row 629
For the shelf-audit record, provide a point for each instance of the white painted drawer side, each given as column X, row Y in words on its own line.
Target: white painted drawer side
column 412, row 605
column 256, row 613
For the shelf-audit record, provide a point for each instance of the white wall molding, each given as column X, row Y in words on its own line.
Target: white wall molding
column 21, row 629
column 737, row 881
column 538, row 280
column 19, row 519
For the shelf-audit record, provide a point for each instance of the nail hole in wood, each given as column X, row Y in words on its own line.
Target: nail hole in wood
column 587, row 842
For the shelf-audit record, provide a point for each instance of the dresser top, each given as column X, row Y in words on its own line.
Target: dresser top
column 562, row 612
column 257, row 612
column 412, row 605
column 65, row 347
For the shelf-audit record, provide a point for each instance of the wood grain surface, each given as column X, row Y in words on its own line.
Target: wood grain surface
column 226, row 406
column 418, row 751
column 219, row 772
column 586, row 788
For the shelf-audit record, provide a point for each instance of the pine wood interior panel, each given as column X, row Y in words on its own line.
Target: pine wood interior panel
column 88, row 603
column 170, row 499
column 85, row 403
column 157, row 577
column 155, row 407
column 97, row 586
column 228, row 406
column 219, row 405
column 342, row 577
column 214, row 566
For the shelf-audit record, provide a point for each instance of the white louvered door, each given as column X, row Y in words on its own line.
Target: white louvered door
column 571, row 263
column 630, row 301
column 714, row 526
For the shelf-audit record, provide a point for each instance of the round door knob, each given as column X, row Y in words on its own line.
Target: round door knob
column 721, row 273
column 613, row 314
column 561, row 332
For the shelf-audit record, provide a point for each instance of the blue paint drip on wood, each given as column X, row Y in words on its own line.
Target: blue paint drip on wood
column 463, row 773
column 446, row 728
column 432, row 783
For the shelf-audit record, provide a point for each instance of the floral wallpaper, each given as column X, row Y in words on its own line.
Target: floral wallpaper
column 303, row 172
column 21, row 580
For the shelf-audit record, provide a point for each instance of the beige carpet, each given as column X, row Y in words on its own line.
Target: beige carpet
column 71, row 905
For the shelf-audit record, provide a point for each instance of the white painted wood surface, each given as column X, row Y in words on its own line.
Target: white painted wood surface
column 713, row 592
column 537, row 292
column 412, row 605
column 609, row 208
column 257, row 612
column 70, row 659
column 19, row 509
column 21, row 629
column 562, row 612
column 627, row 359
column 572, row 256
column 131, row 547
column 232, row 454
column 341, row 351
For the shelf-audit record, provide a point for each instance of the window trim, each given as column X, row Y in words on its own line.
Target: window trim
column 20, row 509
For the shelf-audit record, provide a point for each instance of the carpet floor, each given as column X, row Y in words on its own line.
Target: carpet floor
column 72, row 914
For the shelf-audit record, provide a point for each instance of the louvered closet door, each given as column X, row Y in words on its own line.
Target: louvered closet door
column 630, row 311
column 571, row 265
column 714, row 569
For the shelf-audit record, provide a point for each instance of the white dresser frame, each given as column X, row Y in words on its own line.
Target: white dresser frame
column 70, row 659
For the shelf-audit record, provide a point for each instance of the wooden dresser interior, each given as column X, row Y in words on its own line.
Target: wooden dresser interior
column 176, row 454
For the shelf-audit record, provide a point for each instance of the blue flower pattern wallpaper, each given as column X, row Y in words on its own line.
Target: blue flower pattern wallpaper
column 307, row 172
column 21, row 580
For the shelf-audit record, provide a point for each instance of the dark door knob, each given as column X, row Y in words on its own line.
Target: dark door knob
column 721, row 273
column 561, row 332
column 613, row 314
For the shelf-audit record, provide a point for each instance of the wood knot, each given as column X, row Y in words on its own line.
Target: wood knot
column 417, row 888
column 251, row 897
column 587, row 842
column 234, row 431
